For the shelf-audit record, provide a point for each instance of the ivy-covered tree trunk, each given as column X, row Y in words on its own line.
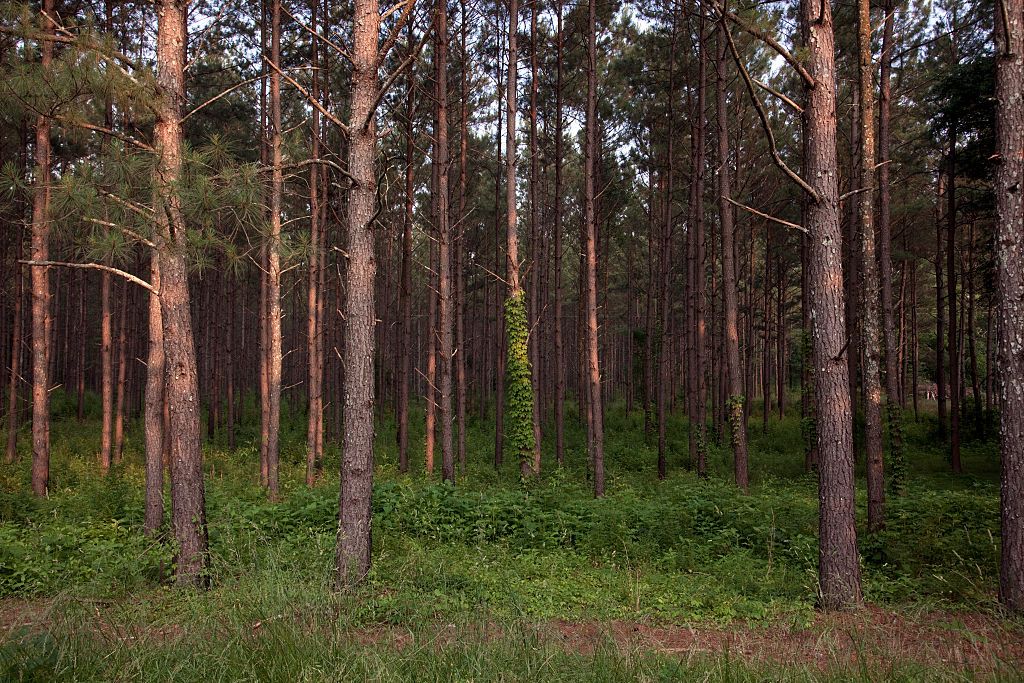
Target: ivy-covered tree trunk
column 519, row 383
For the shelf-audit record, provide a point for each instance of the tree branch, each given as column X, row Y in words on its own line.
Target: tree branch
column 767, row 40
column 762, row 214
column 95, row 266
column 765, row 123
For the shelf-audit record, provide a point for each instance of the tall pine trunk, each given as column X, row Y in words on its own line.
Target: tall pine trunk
column 188, row 502
column 839, row 563
column 354, row 532
column 869, row 317
column 41, row 283
column 1010, row 283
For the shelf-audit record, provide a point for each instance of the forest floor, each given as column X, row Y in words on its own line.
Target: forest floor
column 495, row 579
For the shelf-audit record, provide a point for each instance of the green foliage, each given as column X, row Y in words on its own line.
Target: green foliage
column 518, row 384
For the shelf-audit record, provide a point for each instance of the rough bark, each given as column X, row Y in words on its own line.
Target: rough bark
column 1010, row 283
column 314, row 322
column 953, row 346
column 839, row 568
column 405, row 290
column 154, row 407
column 444, row 247
column 188, row 503
column 736, row 400
column 870, row 335
column 593, row 362
column 106, row 371
column 893, row 405
column 41, row 283
column 558, row 209
column 354, row 531
column 274, row 262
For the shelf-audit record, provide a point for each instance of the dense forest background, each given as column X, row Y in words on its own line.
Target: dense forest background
column 750, row 273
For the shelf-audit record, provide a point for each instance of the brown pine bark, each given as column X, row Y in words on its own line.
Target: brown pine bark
column 460, row 243
column 11, row 449
column 154, row 407
column 665, row 256
column 314, row 322
column 405, row 290
column 893, row 385
column 107, row 371
column 354, row 530
column 698, row 417
column 182, row 384
column 535, row 337
column 940, row 311
column 953, row 347
column 274, row 348
column 737, row 424
column 590, row 223
column 444, row 246
column 870, row 335
column 1010, row 283
column 41, row 282
column 839, row 564
column 117, row 451
column 559, row 365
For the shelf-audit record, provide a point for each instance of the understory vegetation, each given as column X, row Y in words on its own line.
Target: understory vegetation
column 491, row 550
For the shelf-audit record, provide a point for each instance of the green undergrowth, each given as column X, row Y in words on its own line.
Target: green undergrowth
column 684, row 550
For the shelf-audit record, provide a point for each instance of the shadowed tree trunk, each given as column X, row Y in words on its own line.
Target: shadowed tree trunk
column 107, row 370
column 405, row 291
column 869, row 318
column 314, row 323
column 953, row 347
column 444, row 246
column 894, row 410
column 737, row 424
column 559, row 352
column 1010, row 283
column 594, row 370
column 11, row 451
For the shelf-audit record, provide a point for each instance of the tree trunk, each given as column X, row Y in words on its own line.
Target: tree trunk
column 354, row 534
column 122, row 370
column 107, row 371
column 534, row 337
column 559, row 365
column 1010, row 283
column 41, row 283
column 274, row 262
column 894, row 406
column 405, row 291
column 314, row 323
column 839, row 564
column 154, row 411
column 594, row 373
column 953, row 345
column 737, row 424
column 869, row 313
column 520, row 400
column 182, row 383
column 444, row 245
column 460, row 244
column 11, row 451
